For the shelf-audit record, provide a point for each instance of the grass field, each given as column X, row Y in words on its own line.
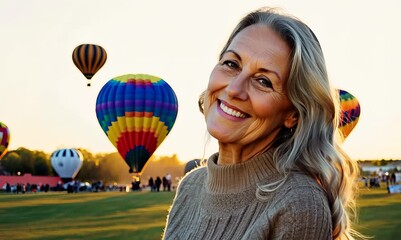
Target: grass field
column 379, row 214
column 103, row 215
column 142, row 215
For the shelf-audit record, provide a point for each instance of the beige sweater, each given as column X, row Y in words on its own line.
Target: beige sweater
column 219, row 202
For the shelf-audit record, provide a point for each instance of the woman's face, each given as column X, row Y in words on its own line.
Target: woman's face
column 246, row 101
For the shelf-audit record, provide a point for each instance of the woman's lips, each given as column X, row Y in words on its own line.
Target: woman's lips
column 229, row 110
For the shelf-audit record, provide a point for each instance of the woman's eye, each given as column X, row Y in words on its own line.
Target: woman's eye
column 230, row 64
column 264, row 82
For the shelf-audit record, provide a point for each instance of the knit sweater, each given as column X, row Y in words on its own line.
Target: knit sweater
column 219, row 202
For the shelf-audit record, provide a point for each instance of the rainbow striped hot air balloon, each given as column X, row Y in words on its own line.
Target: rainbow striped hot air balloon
column 89, row 58
column 4, row 139
column 350, row 111
column 136, row 112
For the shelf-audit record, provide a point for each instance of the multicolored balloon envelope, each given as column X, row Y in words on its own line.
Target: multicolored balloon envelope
column 137, row 112
column 89, row 58
column 4, row 139
column 350, row 111
column 67, row 162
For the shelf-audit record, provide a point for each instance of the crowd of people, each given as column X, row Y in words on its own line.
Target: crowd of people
column 156, row 184
column 73, row 186
column 375, row 179
column 26, row 188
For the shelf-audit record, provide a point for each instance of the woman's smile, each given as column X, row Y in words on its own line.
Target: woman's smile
column 230, row 110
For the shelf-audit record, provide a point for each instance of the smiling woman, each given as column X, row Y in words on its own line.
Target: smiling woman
column 249, row 80
column 280, row 172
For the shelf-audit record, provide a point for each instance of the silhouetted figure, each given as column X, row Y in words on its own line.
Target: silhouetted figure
column 136, row 185
column 164, row 183
column 34, row 187
column 392, row 178
column 28, row 187
column 158, row 182
column 77, row 186
column 168, row 179
column 151, row 184
column 70, row 188
column 19, row 188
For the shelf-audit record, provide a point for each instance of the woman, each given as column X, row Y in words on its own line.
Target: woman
column 280, row 172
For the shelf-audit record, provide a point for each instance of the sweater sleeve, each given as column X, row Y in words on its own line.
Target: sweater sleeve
column 304, row 214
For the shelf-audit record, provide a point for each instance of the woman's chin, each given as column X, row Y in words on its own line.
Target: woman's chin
column 220, row 135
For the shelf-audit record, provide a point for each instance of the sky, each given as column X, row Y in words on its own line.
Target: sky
column 46, row 104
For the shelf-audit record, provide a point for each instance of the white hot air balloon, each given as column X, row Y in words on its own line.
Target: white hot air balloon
column 67, row 162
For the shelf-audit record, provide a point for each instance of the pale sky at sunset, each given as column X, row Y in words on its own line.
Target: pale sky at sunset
column 46, row 104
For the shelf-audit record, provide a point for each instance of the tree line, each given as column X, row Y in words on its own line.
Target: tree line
column 108, row 167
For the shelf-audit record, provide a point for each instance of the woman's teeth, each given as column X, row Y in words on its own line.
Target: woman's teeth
column 231, row 112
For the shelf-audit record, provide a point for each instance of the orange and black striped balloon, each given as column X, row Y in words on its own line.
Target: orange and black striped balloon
column 89, row 58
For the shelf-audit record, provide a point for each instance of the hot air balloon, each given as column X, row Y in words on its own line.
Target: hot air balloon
column 67, row 162
column 89, row 58
column 137, row 112
column 350, row 111
column 4, row 139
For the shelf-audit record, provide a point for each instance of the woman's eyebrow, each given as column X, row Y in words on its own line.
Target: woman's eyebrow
column 233, row 52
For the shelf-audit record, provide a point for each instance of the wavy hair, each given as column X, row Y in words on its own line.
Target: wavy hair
column 313, row 146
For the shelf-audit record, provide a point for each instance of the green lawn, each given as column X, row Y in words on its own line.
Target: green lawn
column 379, row 214
column 142, row 215
column 103, row 215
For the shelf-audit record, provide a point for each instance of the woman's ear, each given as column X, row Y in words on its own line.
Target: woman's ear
column 292, row 119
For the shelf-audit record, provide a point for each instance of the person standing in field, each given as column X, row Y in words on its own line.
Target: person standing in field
column 151, row 184
column 168, row 181
column 158, row 182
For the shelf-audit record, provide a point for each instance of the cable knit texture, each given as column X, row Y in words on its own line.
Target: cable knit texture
column 219, row 202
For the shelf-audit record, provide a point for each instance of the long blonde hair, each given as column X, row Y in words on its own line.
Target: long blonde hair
column 314, row 145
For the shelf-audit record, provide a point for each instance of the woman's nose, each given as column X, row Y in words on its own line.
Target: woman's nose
column 238, row 88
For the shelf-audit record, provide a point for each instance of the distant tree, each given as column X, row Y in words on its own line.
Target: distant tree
column 27, row 157
column 89, row 171
column 12, row 162
column 41, row 164
column 24, row 161
column 379, row 162
column 113, row 169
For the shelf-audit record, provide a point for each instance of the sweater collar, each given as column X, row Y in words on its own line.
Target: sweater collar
column 241, row 176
